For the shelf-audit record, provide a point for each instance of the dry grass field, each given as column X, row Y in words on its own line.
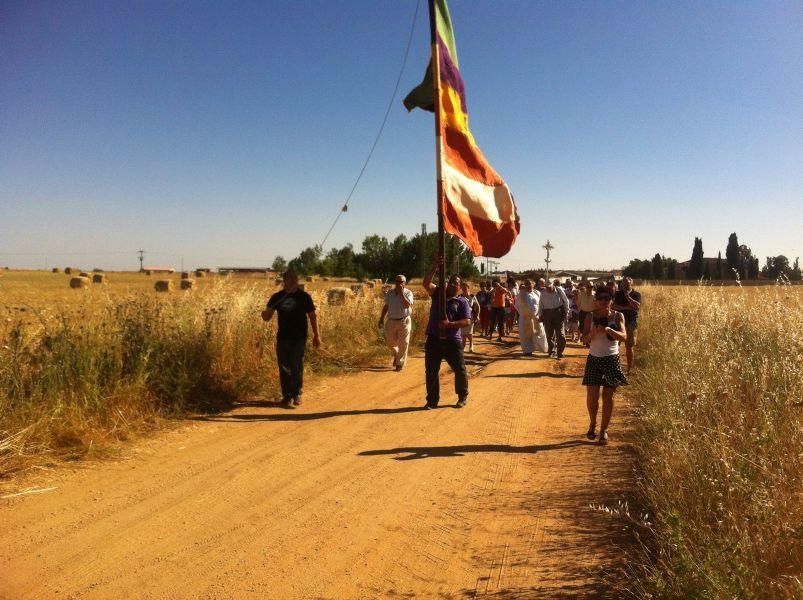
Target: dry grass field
column 720, row 435
column 82, row 369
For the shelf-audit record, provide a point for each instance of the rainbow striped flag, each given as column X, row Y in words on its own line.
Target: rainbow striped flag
column 479, row 207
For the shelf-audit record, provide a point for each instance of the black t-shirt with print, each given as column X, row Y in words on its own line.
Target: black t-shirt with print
column 292, row 310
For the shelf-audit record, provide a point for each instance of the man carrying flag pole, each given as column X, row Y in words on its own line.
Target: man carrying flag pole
column 474, row 203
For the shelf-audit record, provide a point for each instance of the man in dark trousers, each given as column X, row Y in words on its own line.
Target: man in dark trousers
column 444, row 341
column 294, row 307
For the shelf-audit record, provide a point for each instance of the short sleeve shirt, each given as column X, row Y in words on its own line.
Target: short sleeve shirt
column 631, row 316
column 292, row 310
column 457, row 309
column 396, row 309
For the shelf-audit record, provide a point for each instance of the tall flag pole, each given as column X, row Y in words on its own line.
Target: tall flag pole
column 436, row 86
column 474, row 203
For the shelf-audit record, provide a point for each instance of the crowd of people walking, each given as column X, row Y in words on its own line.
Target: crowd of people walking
column 601, row 317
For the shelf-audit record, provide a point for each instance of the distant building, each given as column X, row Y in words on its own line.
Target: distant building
column 227, row 270
column 709, row 264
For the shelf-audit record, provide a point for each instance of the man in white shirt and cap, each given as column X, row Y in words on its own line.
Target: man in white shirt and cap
column 398, row 308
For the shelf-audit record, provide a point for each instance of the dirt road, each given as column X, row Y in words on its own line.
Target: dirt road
column 358, row 494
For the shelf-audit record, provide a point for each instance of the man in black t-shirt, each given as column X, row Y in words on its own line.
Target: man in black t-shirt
column 628, row 302
column 294, row 307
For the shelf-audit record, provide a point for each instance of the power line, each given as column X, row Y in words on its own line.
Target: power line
column 345, row 206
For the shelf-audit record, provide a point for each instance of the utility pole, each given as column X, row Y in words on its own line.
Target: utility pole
column 548, row 246
column 141, row 260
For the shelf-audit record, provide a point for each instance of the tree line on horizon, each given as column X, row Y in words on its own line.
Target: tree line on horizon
column 739, row 263
column 382, row 258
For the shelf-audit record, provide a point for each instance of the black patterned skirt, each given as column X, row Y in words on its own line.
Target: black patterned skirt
column 605, row 371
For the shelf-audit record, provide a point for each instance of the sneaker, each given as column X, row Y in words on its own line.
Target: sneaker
column 591, row 435
column 398, row 368
column 549, row 354
column 603, row 437
column 460, row 403
column 287, row 402
column 296, row 401
column 559, row 356
column 429, row 406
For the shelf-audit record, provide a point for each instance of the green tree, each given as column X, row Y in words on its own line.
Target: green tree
column 776, row 266
column 657, row 266
column 795, row 275
column 340, row 262
column 376, row 256
column 633, row 269
column 279, row 264
column 719, row 271
column 646, row 269
column 671, row 268
column 733, row 257
column 696, row 264
column 308, row 262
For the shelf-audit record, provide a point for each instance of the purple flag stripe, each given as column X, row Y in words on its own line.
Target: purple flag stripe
column 450, row 74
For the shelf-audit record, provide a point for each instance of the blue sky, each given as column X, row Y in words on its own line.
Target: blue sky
column 229, row 132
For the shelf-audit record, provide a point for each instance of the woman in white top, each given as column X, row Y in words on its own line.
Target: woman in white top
column 602, row 331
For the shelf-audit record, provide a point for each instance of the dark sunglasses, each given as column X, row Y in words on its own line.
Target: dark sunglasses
column 603, row 298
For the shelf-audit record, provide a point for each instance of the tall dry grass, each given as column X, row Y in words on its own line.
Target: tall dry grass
column 721, row 442
column 78, row 376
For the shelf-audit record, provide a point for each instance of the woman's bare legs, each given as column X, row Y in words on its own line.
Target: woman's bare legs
column 607, row 411
column 592, row 403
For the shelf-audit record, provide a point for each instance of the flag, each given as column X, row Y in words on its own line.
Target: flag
column 478, row 206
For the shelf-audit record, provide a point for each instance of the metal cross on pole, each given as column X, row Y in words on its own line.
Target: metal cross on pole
column 548, row 246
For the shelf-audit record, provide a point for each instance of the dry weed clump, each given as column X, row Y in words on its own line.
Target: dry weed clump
column 76, row 377
column 721, row 441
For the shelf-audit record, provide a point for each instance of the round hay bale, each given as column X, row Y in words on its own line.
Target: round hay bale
column 56, row 270
column 326, row 278
column 358, row 289
column 185, row 275
column 370, row 285
column 163, row 285
column 310, row 278
column 200, row 273
column 98, row 271
column 338, row 296
column 278, row 281
column 99, row 278
column 79, row 283
column 187, row 284
column 84, row 274
column 68, row 270
column 147, row 273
